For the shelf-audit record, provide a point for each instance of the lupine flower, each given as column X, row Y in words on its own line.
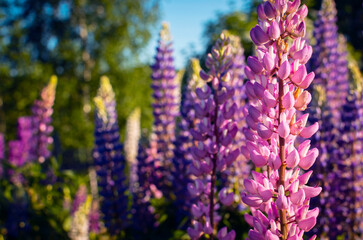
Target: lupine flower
column 165, row 104
column 239, row 170
column 22, row 150
column 109, row 161
column 143, row 216
column 79, row 221
column 278, row 79
column 131, row 145
column 214, row 133
column 184, row 141
column 42, row 114
column 358, row 173
column 34, row 131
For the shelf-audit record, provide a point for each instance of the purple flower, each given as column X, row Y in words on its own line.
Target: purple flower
column 214, row 134
column 42, row 114
column 278, row 194
column 109, row 161
column 165, row 106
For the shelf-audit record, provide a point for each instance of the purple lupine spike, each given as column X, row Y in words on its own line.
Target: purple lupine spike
column 239, row 170
column 278, row 194
column 358, row 172
column 214, row 134
column 165, row 104
column 330, row 64
column 109, row 160
column 329, row 59
column 42, row 113
column 143, row 216
column 184, row 141
column 23, row 149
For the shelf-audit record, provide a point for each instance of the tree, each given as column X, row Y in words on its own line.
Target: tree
column 79, row 40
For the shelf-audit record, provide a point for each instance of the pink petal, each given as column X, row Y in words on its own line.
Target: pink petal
column 284, row 70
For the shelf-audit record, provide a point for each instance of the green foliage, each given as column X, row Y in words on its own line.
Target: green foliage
column 79, row 41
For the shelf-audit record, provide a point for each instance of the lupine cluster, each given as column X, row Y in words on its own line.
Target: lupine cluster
column 184, row 141
column 109, row 160
column 278, row 195
column 335, row 138
column 358, row 173
column 34, row 131
column 165, row 106
column 214, row 134
column 239, row 170
column 42, row 115
column 142, row 211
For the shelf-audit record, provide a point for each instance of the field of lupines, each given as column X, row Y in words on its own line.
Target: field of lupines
column 267, row 146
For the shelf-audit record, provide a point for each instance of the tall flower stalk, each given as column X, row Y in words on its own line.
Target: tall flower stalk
column 278, row 195
column 239, row 170
column 214, row 134
column 184, row 141
column 109, row 160
column 42, row 114
column 165, row 105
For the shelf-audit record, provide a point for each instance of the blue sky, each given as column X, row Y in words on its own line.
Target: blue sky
column 187, row 19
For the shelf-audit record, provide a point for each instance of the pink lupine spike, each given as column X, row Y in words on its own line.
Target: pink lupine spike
column 272, row 121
